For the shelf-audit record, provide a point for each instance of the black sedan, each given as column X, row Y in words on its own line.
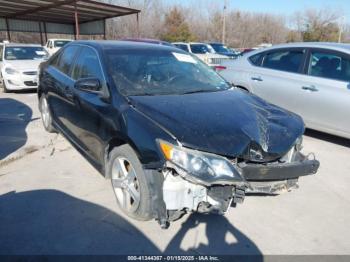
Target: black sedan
column 170, row 133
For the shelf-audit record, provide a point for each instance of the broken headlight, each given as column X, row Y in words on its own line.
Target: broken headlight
column 204, row 166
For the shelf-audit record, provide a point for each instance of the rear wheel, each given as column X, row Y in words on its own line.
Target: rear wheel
column 46, row 114
column 129, row 183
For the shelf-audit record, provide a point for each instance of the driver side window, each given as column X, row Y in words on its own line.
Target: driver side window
column 87, row 65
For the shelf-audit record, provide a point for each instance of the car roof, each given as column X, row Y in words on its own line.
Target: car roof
column 59, row 39
column 189, row 43
column 127, row 45
column 19, row 45
column 329, row 45
column 146, row 40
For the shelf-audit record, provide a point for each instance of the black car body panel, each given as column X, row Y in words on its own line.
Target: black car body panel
column 230, row 123
column 257, row 140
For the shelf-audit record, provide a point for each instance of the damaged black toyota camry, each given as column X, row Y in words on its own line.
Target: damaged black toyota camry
column 167, row 130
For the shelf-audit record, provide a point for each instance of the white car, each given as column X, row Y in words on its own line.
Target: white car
column 310, row 79
column 204, row 52
column 19, row 65
column 53, row 45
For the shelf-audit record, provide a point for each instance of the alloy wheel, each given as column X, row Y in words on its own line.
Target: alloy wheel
column 125, row 184
column 45, row 112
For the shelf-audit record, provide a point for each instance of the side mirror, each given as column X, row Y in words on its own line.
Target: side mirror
column 92, row 85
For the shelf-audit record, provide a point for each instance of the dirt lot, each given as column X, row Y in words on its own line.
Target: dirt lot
column 52, row 201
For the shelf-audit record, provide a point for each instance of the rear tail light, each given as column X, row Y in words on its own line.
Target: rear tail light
column 220, row 68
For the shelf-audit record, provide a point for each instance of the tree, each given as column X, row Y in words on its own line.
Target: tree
column 319, row 25
column 175, row 27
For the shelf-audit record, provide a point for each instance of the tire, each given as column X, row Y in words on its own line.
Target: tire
column 46, row 114
column 129, row 183
column 3, row 85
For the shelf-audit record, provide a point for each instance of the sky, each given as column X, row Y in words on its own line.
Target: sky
column 280, row 7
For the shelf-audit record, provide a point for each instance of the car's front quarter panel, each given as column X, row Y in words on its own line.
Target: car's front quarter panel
column 142, row 134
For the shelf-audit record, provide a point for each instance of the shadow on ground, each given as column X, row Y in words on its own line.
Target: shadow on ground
column 217, row 229
column 52, row 222
column 327, row 137
column 14, row 118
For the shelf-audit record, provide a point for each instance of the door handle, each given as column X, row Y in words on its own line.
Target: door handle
column 68, row 92
column 259, row 79
column 311, row 88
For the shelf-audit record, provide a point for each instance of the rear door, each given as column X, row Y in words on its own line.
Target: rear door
column 326, row 89
column 277, row 77
column 58, row 80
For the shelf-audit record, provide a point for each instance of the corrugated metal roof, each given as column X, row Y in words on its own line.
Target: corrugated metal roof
column 61, row 11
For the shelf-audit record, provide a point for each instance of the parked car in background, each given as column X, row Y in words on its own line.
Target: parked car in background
column 170, row 133
column 147, row 40
column 204, row 52
column 310, row 79
column 248, row 50
column 19, row 65
column 53, row 45
column 221, row 49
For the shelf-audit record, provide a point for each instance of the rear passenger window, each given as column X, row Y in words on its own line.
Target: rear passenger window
column 66, row 59
column 284, row 60
column 256, row 59
column 87, row 65
column 332, row 66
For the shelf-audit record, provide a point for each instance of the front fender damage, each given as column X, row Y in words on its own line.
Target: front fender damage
column 175, row 193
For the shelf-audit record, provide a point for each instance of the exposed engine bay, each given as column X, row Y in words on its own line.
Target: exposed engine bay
column 184, row 193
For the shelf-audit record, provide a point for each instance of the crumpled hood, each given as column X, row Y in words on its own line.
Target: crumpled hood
column 24, row 65
column 228, row 123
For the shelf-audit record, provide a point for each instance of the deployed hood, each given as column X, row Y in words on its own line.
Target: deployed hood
column 230, row 123
column 24, row 65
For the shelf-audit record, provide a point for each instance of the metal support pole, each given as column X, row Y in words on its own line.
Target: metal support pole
column 104, row 29
column 8, row 30
column 138, row 25
column 224, row 23
column 45, row 32
column 41, row 34
column 76, row 22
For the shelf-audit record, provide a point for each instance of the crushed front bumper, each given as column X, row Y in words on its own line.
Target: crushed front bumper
column 277, row 177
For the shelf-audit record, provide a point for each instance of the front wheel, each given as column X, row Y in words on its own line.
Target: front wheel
column 129, row 183
column 3, row 85
column 46, row 114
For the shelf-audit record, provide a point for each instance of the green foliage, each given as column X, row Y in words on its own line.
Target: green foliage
column 175, row 27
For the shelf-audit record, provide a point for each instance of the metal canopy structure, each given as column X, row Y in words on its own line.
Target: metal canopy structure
column 58, row 16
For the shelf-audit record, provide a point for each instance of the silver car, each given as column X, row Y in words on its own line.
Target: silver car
column 310, row 79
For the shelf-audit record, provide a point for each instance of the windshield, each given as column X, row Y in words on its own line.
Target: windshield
column 160, row 72
column 220, row 48
column 25, row 53
column 61, row 43
column 200, row 49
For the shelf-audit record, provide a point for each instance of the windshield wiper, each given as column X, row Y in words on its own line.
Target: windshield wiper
column 199, row 91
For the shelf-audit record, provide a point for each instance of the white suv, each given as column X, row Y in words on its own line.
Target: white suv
column 204, row 52
column 19, row 65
